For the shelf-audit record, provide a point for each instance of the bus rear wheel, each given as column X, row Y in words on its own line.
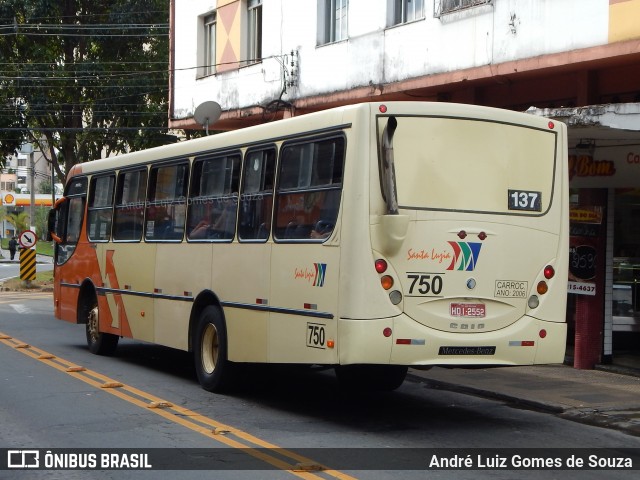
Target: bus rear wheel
column 100, row 343
column 371, row 377
column 210, row 348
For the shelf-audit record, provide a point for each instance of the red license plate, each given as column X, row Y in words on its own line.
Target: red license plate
column 467, row 310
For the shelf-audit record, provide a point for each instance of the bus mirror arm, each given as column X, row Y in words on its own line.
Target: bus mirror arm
column 387, row 167
column 51, row 221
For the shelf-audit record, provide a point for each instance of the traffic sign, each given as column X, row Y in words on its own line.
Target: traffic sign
column 27, row 264
column 27, row 239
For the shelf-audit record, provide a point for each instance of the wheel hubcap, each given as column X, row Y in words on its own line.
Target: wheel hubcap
column 92, row 324
column 209, row 348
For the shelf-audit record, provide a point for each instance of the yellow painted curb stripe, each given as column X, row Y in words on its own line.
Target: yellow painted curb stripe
column 208, row 427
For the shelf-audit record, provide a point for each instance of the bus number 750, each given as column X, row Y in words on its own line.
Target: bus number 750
column 315, row 335
column 425, row 284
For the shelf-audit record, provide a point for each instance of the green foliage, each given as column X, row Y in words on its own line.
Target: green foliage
column 81, row 78
column 19, row 220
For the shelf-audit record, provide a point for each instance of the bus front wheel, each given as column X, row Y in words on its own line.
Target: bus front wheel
column 371, row 377
column 100, row 343
column 210, row 351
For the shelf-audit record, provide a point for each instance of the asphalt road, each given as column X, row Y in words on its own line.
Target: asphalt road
column 147, row 397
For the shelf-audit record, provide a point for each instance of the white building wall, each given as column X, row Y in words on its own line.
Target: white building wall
column 374, row 54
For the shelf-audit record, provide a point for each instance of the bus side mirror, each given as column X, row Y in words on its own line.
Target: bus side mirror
column 51, row 226
column 52, row 222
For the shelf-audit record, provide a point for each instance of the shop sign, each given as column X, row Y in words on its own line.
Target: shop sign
column 585, row 224
column 586, row 166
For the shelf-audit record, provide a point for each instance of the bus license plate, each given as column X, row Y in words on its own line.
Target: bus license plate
column 467, row 310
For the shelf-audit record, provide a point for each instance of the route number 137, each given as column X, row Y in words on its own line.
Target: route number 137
column 525, row 200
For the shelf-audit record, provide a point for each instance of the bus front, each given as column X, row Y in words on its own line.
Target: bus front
column 470, row 235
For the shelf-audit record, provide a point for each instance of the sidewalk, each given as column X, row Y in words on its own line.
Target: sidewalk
column 599, row 397
column 5, row 257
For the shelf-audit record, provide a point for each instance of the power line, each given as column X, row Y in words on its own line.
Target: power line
column 127, row 14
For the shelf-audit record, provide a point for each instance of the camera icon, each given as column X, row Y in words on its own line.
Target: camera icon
column 23, row 459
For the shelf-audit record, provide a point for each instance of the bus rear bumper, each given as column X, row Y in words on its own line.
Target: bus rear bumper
column 529, row 341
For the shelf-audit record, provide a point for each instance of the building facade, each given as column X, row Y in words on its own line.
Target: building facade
column 574, row 60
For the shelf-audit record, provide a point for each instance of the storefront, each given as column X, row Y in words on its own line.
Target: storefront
column 603, row 309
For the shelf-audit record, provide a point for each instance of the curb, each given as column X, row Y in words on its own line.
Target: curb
column 481, row 392
column 591, row 417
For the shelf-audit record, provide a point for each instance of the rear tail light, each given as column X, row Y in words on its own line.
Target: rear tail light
column 386, row 282
column 381, row 265
column 542, row 287
column 549, row 272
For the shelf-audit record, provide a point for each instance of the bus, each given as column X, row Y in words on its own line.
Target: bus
column 368, row 238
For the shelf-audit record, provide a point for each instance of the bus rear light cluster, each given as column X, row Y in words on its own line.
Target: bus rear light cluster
column 387, row 281
column 542, row 287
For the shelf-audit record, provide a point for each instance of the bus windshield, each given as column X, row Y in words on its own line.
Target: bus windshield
column 492, row 167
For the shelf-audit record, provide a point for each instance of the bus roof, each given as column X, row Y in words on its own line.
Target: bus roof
column 311, row 123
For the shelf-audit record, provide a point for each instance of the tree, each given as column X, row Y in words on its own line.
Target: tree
column 83, row 79
column 19, row 220
column 41, row 220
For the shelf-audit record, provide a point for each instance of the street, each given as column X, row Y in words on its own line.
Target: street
column 54, row 394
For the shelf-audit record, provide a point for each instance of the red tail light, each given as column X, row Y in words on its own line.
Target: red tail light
column 381, row 265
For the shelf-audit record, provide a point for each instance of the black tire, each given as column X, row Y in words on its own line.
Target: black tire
column 100, row 343
column 371, row 377
column 213, row 368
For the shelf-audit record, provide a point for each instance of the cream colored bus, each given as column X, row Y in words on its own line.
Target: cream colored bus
column 370, row 238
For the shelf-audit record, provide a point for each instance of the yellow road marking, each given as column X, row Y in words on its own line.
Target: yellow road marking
column 206, row 426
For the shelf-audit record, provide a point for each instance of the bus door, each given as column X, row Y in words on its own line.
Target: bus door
column 306, row 255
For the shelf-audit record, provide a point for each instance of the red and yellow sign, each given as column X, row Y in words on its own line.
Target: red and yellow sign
column 8, row 199
column 586, row 215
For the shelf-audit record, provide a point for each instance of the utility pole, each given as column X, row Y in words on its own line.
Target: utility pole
column 27, row 148
column 32, row 189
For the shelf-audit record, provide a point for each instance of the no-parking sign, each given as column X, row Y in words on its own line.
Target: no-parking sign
column 27, row 239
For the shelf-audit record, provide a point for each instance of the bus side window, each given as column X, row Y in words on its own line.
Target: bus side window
column 100, row 208
column 166, row 206
column 213, row 198
column 256, row 195
column 129, row 205
column 309, row 189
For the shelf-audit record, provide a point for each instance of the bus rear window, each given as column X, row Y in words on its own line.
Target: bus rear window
column 472, row 165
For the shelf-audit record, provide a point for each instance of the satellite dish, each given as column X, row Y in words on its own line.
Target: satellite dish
column 207, row 113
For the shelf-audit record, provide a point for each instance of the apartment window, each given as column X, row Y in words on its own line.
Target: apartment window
column 209, row 64
column 447, row 6
column 404, row 11
column 254, row 30
column 332, row 20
